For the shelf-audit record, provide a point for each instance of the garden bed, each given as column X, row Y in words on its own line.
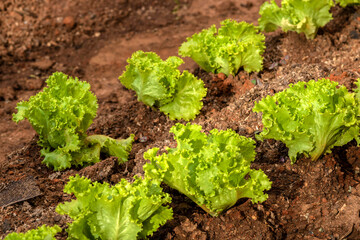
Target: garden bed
column 308, row 200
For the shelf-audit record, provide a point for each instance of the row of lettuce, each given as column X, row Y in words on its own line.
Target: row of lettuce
column 212, row 170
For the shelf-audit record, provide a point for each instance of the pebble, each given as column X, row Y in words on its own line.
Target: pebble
column 343, row 38
column 54, row 175
column 57, row 218
column 249, row 130
column 222, row 76
column 43, row 64
column 69, row 22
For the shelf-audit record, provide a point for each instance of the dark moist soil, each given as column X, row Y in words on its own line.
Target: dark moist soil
column 92, row 40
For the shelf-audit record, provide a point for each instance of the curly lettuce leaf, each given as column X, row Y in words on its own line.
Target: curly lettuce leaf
column 212, row 170
column 295, row 15
column 41, row 233
column 310, row 118
column 150, row 77
column 119, row 148
column 345, row 3
column 186, row 102
column 123, row 211
column 61, row 114
column 233, row 45
column 160, row 84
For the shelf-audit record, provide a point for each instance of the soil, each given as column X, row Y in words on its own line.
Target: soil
column 92, row 40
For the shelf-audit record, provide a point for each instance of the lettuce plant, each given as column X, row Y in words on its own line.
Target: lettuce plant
column 233, row 45
column 310, row 118
column 345, row 3
column 124, row 211
column 160, row 84
column 41, row 233
column 301, row 16
column 61, row 114
column 212, row 170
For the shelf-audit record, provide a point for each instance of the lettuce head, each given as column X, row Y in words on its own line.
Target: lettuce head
column 226, row 50
column 212, row 170
column 160, row 84
column 301, row 16
column 310, row 117
column 125, row 211
column 61, row 114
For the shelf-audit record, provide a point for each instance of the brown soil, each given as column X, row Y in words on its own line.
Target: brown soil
column 92, row 40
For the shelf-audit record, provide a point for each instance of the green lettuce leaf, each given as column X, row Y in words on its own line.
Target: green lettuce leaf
column 234, row 45
column 310, row 118
column 345, row 3
column 61, row 114
column 41, row 233
column 160, row 84
column 357, row 90
column 212, row 170
column 295, row 15
column 124, row 211
column 186, row 101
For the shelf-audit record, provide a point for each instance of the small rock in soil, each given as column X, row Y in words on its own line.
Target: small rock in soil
column 222, row 76
column 69, row 22
column 26, row 206
column 249, row 130
column 246, row 86
column 33, row 84
column 54, row 175
column 343, row 38
column 43, row 64
column 57, row 218
column 188, row 226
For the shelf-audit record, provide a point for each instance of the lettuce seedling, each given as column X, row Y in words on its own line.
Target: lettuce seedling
column 295, row 15
column 160, row 84
column 345, row 3
column 310, row 118
column 234, row 45
column 212, row 170
column 61, row 114
column 41, row 233
column 123, row 211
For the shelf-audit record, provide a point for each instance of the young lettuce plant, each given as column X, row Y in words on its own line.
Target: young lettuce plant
column 212, row 170
column 345, row 3
column 310, row 118
column 41, row 233
column 160, row 84
column 295, row 15
column 61, row 114
column 124, row 211
column 233, row 45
